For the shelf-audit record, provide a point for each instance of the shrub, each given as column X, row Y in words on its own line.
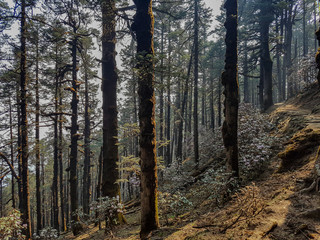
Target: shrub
column 11, row 226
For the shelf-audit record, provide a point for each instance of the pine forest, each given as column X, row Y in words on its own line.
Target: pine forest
column 164, row 119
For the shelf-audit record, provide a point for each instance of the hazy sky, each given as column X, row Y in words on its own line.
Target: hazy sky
column 215, row 6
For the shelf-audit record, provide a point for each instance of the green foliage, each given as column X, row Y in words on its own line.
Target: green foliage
column 108, row 209
column 173, row 204
column 104, row 209
column 11, row 226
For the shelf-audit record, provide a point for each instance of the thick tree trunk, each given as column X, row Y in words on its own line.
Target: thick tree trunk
column 87, row 161
column 231, row 91
column 25, row 196
column 266, row 62
column 196, row 75
column 144, row 26
column 110, row 187
column 76, row 226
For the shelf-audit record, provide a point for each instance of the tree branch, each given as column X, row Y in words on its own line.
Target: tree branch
column 10, row 166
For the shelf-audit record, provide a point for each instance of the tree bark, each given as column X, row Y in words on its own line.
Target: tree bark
column 110, row 187
column 11, row 156
column 161, row 149
column 245, row 78
column 168, row 124
column 55, row 155
column 25, row 196
column 183, row 107
column 87, row 158
column 37, row 147
column 266, row 63
column 196, row 75
column 231, row 91
column 144, row 27
column 76, row 226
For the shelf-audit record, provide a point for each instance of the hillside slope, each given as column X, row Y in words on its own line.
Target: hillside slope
column 283, row 203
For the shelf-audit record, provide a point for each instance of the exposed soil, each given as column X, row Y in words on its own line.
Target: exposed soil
column 276, row 206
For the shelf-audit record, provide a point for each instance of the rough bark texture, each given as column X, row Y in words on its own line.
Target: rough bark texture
column 25, row 196
column 231, row 91
column 110, row 174
column 144, row 26
column 76, row 226
column 196, row 75
column 87, row 158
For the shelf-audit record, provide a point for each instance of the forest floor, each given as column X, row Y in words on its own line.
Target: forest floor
column 279, row 204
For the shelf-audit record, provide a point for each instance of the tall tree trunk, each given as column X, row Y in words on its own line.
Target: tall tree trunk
column 99, row 183
column 212, row 113
column 76, row 226
column 183, row 107
column 11, row 156
column 168, row 124
column 87, row 160
column 110, row 187
column 288, row 52
column 266, row 62
column 196, row 75
column 38, row 182
column 231, row 91
column 25, row 197
column 60, row 159
column 43, row 197
column 304, row 32
column 245, row 71
column 161, row 149
column 144, row 27
column 55, row 157
column 278, row 53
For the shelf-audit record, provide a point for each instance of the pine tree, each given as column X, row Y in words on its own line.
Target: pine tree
column 143, row 26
